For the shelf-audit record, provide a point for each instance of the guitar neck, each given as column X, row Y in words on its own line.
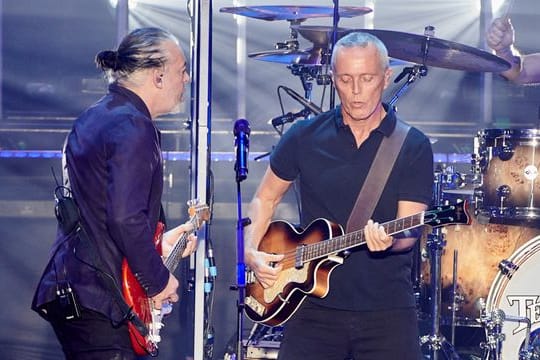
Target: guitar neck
column 356, row 238
column 175, row 255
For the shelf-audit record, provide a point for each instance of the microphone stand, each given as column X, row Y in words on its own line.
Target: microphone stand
column 241, row 174
column 241, row 271
column 414, row 72
column 335, row 22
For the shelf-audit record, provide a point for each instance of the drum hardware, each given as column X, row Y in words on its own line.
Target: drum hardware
column 291, row 44
column 503, row 192
column 493, row 324
column 513, row 297
column 435, row 341
column 505, row 164
column 504, row 152
column 418, row 49
column 508, row 268
column 263, row 342
column 457, row 298
column 494, row 337
column 452, row 179
column 423, row 50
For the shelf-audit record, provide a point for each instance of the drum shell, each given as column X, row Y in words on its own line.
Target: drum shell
column 480, row 248
column 508, row 159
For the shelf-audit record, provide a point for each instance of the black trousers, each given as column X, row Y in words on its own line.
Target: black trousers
column 92, row 337
column 316, row 332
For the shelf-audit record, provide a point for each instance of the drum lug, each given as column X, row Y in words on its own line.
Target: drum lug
column 508, row 268
column 505, row 152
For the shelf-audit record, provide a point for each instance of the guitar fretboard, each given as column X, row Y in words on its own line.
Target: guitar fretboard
column 175, row 255
column 340, row 243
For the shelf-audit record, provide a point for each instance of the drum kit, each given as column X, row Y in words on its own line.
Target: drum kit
column 491, row 287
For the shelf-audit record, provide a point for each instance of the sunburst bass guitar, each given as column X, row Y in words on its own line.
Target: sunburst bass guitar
column 312, row 254
column 136, row 297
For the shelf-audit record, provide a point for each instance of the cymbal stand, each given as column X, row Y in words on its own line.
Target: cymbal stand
column 292, row 42
column 435, row 341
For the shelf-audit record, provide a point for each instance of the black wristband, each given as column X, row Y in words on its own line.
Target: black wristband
column 409, row 233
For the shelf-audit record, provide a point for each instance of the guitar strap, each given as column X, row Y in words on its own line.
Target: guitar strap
column 377, row 177
column 107, row 280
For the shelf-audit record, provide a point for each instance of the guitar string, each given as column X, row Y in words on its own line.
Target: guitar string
column 181, row 243
column 335, row 244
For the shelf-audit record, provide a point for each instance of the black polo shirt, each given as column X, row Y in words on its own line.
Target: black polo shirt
column 322, row 153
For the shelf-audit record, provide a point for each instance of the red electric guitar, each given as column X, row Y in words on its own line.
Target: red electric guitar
column 312, row 254
column 136, row 296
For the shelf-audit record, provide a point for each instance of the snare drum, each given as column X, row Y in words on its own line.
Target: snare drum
column 517, row 293
column 506, row 163
column 479, row 248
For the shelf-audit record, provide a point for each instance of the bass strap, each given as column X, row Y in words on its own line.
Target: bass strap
column 377, row 177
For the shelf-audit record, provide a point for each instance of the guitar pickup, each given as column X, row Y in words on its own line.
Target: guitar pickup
column 298, row 259
column 254, row 305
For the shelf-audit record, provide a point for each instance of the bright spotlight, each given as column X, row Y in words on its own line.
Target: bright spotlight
column 132, row 4
column 497, row 5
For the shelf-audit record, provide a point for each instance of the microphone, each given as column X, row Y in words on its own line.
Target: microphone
column 241, row 144
column 306, row 103
column 288, row 117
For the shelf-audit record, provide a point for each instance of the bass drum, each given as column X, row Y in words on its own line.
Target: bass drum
column 479, row 249
column 517, row 293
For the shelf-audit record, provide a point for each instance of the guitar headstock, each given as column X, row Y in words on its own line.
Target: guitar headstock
column 198, row 213
column 448, row 215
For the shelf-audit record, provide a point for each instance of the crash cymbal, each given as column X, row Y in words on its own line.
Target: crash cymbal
column 294, row 13
column 409, row 47
column 303, row 57
column 307, row 57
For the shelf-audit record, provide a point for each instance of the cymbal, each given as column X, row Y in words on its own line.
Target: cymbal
column 320, row 36
column 409, row 47
column 313, row 56
column 292, row 13
column 303, row 57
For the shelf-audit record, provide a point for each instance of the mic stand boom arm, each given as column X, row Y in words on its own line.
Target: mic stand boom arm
column 414, row 72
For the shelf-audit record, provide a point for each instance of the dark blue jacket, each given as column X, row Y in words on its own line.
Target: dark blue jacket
column 115, row 170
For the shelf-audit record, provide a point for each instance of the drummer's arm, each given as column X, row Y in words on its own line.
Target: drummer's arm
column 529, row 70
column 524, row 69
